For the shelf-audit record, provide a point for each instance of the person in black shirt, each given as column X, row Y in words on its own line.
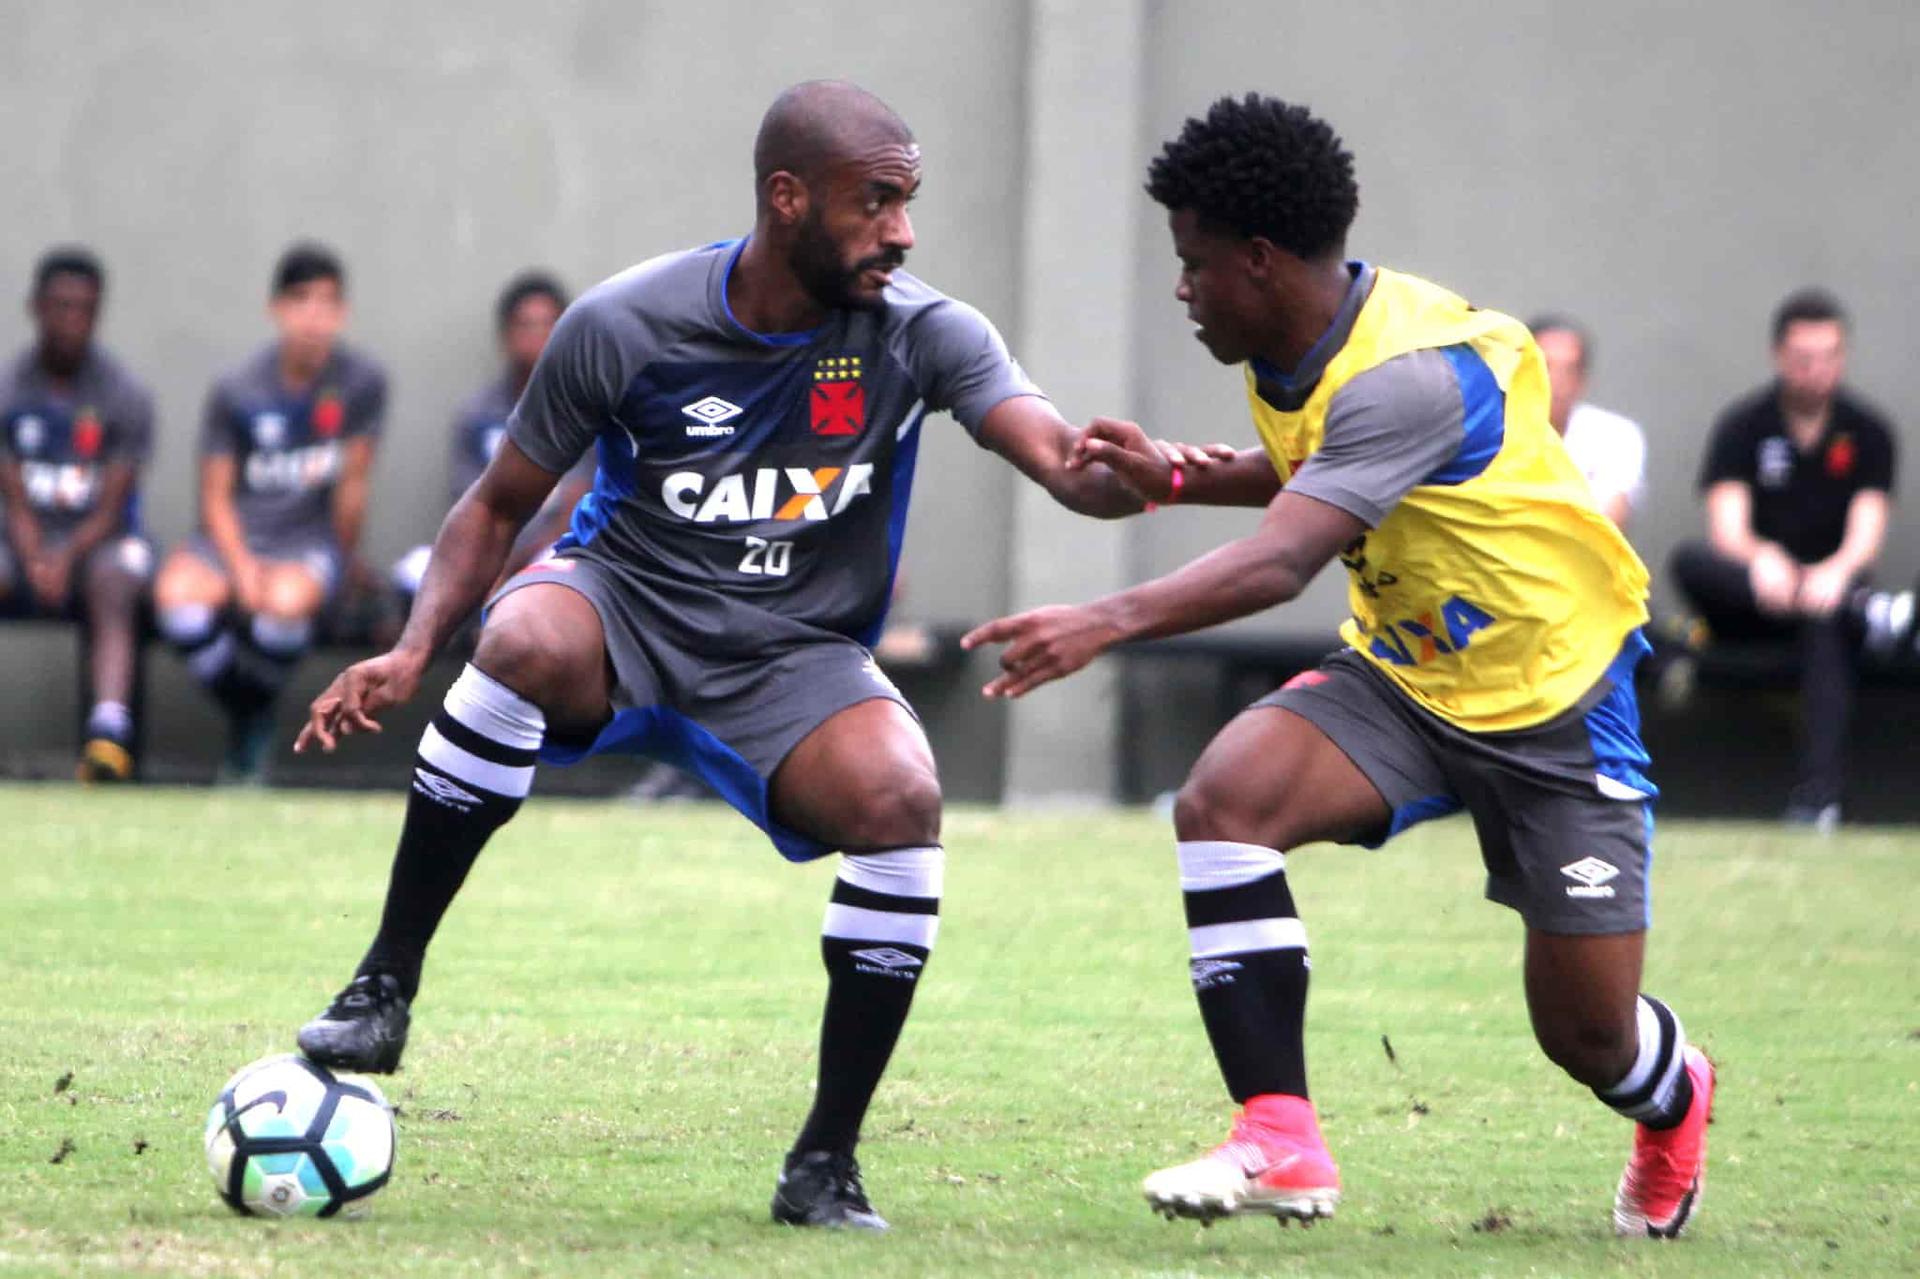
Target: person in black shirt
column 1798, row 482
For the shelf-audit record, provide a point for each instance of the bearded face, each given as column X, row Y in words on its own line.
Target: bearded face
column 837, row 275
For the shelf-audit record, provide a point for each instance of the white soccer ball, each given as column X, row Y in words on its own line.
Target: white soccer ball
column 290, row 1138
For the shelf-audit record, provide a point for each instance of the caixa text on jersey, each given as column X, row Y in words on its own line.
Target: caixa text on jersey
column 768, row 493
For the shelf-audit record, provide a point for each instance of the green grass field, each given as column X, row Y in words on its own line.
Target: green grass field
column 614, row 1045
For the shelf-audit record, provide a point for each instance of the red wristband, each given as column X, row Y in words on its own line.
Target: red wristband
column 1178, row 482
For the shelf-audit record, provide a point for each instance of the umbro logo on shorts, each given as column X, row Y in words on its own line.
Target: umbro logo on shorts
column 886, row 961
column 1591, row 876
column 443, row 792
column 710, row 416
column 1208, row 973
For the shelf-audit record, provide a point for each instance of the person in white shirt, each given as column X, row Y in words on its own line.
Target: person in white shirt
column 1610, row 450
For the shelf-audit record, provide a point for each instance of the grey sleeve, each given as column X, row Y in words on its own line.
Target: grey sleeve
column 367, row 402
column 217, row 434
column 960, row 362
column 1387, row 430
column 573, row 392
column 133, row 425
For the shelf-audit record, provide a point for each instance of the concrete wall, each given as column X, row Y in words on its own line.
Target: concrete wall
column 442, row 146
column 1665, row 172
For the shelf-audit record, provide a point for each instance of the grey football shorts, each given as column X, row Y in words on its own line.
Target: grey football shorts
column 1563, row 810
column 317, row 553
column 729, row 720
column 131, row 553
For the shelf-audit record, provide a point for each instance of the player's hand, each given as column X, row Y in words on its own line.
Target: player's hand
column 1143, row 464
column 357, row 694
column 1775, row 579
column 50, row 575
column 1043, row 645
column 249, row 584
column 1822, row 588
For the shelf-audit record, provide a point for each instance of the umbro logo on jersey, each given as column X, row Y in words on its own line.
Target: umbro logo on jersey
column 1590, row 875
column 269, row 430
column 443, row 792
column 1208, row 973
column 29, row 433
column 886, row 961
column 710, row 416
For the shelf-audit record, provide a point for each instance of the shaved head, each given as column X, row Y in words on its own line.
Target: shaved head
column 815, row 124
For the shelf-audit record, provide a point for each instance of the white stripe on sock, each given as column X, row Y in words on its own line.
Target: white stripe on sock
column 857, row 923
column 899, row 872
column 1207, row 864
column 1649, row 1031
column 186, row 624
column 495, row 711
column 1210, row 940
column 514, row 783
column 1647, row 1024
column 281, row 636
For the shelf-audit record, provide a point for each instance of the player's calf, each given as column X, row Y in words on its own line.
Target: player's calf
column 474, row 768
column 878, row 934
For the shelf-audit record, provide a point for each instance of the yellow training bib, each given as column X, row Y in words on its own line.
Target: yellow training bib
column 1496, row 593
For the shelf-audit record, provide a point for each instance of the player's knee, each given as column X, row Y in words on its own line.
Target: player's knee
column 1212, row 807
column 177, row 587
column 897, row 808
column 1596, row 1052
column 290, row 596
column 527, row 657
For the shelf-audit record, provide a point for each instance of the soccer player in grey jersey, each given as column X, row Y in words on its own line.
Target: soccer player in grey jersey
column 286, row 452
column 755, row 407
column 75, row 430
column 528, row 308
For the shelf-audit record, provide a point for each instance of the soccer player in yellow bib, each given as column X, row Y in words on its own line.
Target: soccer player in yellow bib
column 1496, row 623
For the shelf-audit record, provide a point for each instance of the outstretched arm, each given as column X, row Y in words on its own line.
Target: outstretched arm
column 1227, row 477
column 1295, row 540
column 467, row 557
column 1030, row 433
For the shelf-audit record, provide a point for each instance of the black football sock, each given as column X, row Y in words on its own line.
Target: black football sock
column 879, row 930
column 269, row 649
column 210, row 649
column 1657, row 1091
column 474, row 768
column 1249, row 964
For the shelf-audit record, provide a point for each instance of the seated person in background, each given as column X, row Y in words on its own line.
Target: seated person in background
column 75, row 429
column 524, row 317
column 285, row 454
column 1797, row 478
column 1609, row 449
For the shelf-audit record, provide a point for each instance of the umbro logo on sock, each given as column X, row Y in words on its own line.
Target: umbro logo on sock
column 1208, row 973
column 443, row 792
column 886, row 961
column 1591, row 876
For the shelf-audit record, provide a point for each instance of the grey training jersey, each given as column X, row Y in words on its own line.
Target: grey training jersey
column 478, row 429
column 288, row 448
column 63, row 436
column 752, row 482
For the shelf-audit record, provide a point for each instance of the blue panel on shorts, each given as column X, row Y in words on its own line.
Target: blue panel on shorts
column 670, row 737
column 1647, row 867
column 1420, row 810
column 1613, row 726
column 1484, row 417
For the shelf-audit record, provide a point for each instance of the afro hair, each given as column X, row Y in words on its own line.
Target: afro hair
column 1261, row 167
